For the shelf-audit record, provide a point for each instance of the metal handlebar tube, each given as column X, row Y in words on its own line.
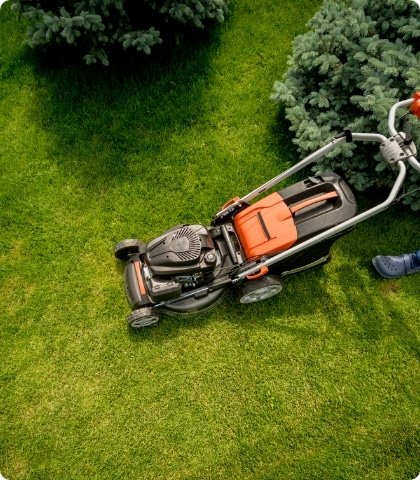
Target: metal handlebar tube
column 279, row 178
column 392, row 112
column 369, row 137
column 413, row 162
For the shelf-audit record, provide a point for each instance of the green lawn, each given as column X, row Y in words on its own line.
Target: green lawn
column 321, row 382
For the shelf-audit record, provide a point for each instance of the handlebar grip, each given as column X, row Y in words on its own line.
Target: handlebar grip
column 415, row 106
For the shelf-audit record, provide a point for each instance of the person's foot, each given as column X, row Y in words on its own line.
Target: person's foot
column 394, row 267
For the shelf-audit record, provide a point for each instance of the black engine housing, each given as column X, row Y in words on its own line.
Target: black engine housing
column 183, row 250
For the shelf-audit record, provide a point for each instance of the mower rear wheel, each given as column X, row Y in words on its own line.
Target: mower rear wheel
column 260, row 289
column 143, row 317
column 125, row 248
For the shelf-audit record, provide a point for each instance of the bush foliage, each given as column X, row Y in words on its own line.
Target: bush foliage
column 97, row 26
column 358, row 58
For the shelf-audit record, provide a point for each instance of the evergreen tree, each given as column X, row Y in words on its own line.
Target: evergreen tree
column 97, row 26
column 358, row 58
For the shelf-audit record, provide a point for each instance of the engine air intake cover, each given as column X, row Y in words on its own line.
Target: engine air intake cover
column 180, row 250
column 186, row 244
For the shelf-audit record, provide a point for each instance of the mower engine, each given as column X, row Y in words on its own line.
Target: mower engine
column 181, row 260
column 185, row 253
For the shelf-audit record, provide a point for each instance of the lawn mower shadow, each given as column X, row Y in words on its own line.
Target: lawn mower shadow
column 280, row 314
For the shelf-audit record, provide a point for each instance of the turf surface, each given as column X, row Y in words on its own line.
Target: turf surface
column 319, row 382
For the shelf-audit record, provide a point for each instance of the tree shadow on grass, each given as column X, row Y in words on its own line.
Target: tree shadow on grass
column 102, row 121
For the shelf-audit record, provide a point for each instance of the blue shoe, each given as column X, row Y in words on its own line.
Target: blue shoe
column 394, row 267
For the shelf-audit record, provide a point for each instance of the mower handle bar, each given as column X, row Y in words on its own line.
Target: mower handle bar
column 255, row 267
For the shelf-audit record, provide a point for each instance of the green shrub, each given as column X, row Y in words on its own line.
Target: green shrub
column 98, row 26
column 358, row 58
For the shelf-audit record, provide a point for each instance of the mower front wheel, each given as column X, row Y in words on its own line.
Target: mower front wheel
column 260, row 289
column 125, row 248
column 143, row 317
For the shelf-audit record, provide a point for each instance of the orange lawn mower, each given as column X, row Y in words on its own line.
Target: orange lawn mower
column 253, row 245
